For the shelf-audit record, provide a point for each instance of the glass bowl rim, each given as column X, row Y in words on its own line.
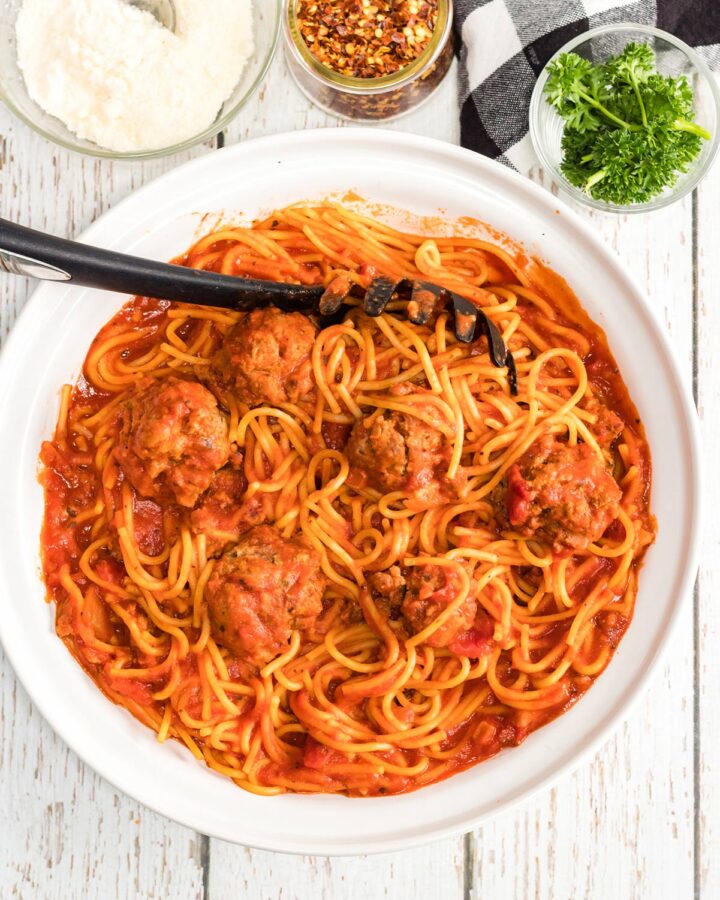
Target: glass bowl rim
column 664, row 199
column 211, row 131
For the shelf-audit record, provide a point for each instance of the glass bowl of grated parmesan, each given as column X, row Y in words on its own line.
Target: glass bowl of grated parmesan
column 104, row 78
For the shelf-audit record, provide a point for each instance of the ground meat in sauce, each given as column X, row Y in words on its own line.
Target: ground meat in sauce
column 396, row 451
column 262, row 590
column 419, row 594
column 265, row 358
column 608, row 425
column 388, row 591
column 560, row 494
column 70, row 486
column 430, row 590
column 223, row 512
column 173, row 439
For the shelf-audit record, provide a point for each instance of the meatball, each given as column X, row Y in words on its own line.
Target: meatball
column 173, row 439
column 399, row 452
column 419, row 594
column 561, row 494
column 265, row 358
column 261, row 591
column 223, row 512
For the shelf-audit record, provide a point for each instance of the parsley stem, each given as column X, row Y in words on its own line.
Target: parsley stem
column 606, row 112
column 691, row 128
column 593, row 179
column 643, row 114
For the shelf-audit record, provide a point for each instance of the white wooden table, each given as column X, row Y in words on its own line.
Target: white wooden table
column 642, row 820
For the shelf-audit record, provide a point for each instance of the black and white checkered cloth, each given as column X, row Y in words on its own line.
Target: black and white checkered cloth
column 504, row 45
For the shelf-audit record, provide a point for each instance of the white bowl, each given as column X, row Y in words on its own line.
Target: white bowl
column 47, row 347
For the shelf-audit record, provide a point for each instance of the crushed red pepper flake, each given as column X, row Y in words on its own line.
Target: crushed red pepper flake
column 367, row 38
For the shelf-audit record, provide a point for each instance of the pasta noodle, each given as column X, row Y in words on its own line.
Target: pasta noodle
column 445, row 631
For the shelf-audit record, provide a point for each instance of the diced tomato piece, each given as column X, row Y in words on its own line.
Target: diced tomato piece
column 130, row 687
column 111, row 570
column 318, row 756
column 477, row 641
column 518, row 497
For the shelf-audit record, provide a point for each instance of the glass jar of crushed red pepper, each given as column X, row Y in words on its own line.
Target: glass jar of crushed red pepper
column 369, row 60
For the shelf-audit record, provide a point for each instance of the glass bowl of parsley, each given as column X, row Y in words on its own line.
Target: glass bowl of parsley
column 626, row 118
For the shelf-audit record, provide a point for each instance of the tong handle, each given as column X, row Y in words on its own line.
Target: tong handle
column 24, row 251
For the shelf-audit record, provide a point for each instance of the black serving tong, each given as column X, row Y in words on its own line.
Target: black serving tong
column 425, row 299
column 34, row 254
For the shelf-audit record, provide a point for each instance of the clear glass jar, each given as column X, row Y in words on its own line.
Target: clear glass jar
column 370, row 99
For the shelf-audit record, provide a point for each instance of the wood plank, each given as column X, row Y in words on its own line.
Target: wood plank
column 423, row 873
column 281, row 106
column 427, row 873
column 67, row 832
column 707, row 611
column 622, row 826
column 143, row 854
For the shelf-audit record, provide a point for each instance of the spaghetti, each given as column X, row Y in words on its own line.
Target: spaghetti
column 346, row 559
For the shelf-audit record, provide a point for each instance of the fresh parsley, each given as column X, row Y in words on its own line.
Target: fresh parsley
column 629, row 131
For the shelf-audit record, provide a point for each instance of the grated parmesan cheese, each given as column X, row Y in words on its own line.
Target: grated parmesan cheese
column 113, row 75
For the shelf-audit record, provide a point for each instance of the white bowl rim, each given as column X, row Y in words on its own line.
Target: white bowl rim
column 664, row 199
column 373, row 140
